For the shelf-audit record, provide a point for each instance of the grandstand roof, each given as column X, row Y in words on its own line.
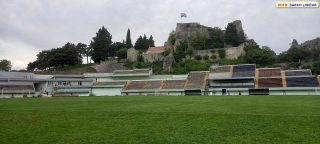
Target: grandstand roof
column 303, row 72
column 17, row 75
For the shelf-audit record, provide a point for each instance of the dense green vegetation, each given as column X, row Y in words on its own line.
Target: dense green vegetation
column 5, row 65
column 102, row 46
column 298, row 57
column 232, row 119
column 232, row 37
column 214, row 40
column 69, row 54
column 143, row 43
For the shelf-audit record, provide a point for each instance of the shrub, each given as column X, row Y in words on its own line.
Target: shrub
column 222, row 53
column 198, row 57
column 213, row 57
column 206, row 57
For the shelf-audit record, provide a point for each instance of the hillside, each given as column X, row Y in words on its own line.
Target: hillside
column 72, row 70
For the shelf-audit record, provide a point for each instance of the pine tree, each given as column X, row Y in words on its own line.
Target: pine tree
column 145, row 42
column 139, row 43
column 128, row 40
column 151, row 41
column 101, row 45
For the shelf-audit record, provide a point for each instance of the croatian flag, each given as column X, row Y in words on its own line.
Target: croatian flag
column 183, row 15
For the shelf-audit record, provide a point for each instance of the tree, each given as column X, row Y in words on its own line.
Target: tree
column 101, row 45
column 84, row 50
column 199, row 42
column 180, row 51
column 297, row 54
column 5, row 65
column 128, row 40
column 172, row 37
column 316, row 68
column 261, row 56
column 69, row 54
column 143, row 43
column 233, row 36
column 122, row 53
column 216, row 39
column 139, row 44
column 222, row 53
column 151, row 41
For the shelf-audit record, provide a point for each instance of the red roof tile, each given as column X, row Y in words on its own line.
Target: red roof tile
column 158, row 49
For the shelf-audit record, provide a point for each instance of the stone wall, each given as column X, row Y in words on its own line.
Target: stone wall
column 132, row 54
column 152, row 57
column 185, row 30
column 231, row 53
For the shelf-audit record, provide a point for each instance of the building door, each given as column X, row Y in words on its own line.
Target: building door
column 224, row 91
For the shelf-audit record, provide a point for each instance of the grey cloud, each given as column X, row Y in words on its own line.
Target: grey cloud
column 35, row 25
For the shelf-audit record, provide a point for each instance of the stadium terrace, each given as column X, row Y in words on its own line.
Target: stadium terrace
column 244, row 79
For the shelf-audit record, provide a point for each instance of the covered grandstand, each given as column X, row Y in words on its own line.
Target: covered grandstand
column 231, row 79
column 196, row 83
column 243, row 79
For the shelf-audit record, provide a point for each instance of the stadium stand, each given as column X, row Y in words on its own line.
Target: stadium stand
column 196, row 80
column 220, row 72
column 270, row 82
column 174, row 84
column 269, row 77
column 302, row 81
column 269, row 72
column 305, row 72
column 16, row 88
column 245, row 70
column 153, row 84
column 220, row 69
column 111, row 83
column 133, row 85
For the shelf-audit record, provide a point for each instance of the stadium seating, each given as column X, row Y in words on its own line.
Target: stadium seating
column 247, row 70
column 303, row 81
column 174, row 84
column 220, row 72
column 153, row 85
column 196, row 80
column 305, row 72
column 269, row 72
column 17, row 88
column 111, row 83
column 133, row 85
column 220, row 69
column 270, row 82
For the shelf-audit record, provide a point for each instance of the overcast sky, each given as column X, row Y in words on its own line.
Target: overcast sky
column 29, row 26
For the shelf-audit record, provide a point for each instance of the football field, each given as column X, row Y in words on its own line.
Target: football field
column 161, row 119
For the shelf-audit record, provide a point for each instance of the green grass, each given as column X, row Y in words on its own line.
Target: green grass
column 230, row 119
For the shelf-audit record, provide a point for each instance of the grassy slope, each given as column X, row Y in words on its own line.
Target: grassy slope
column 71, row 70
column 247, row 119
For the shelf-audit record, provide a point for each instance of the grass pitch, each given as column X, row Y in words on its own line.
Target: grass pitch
column 138, row 119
